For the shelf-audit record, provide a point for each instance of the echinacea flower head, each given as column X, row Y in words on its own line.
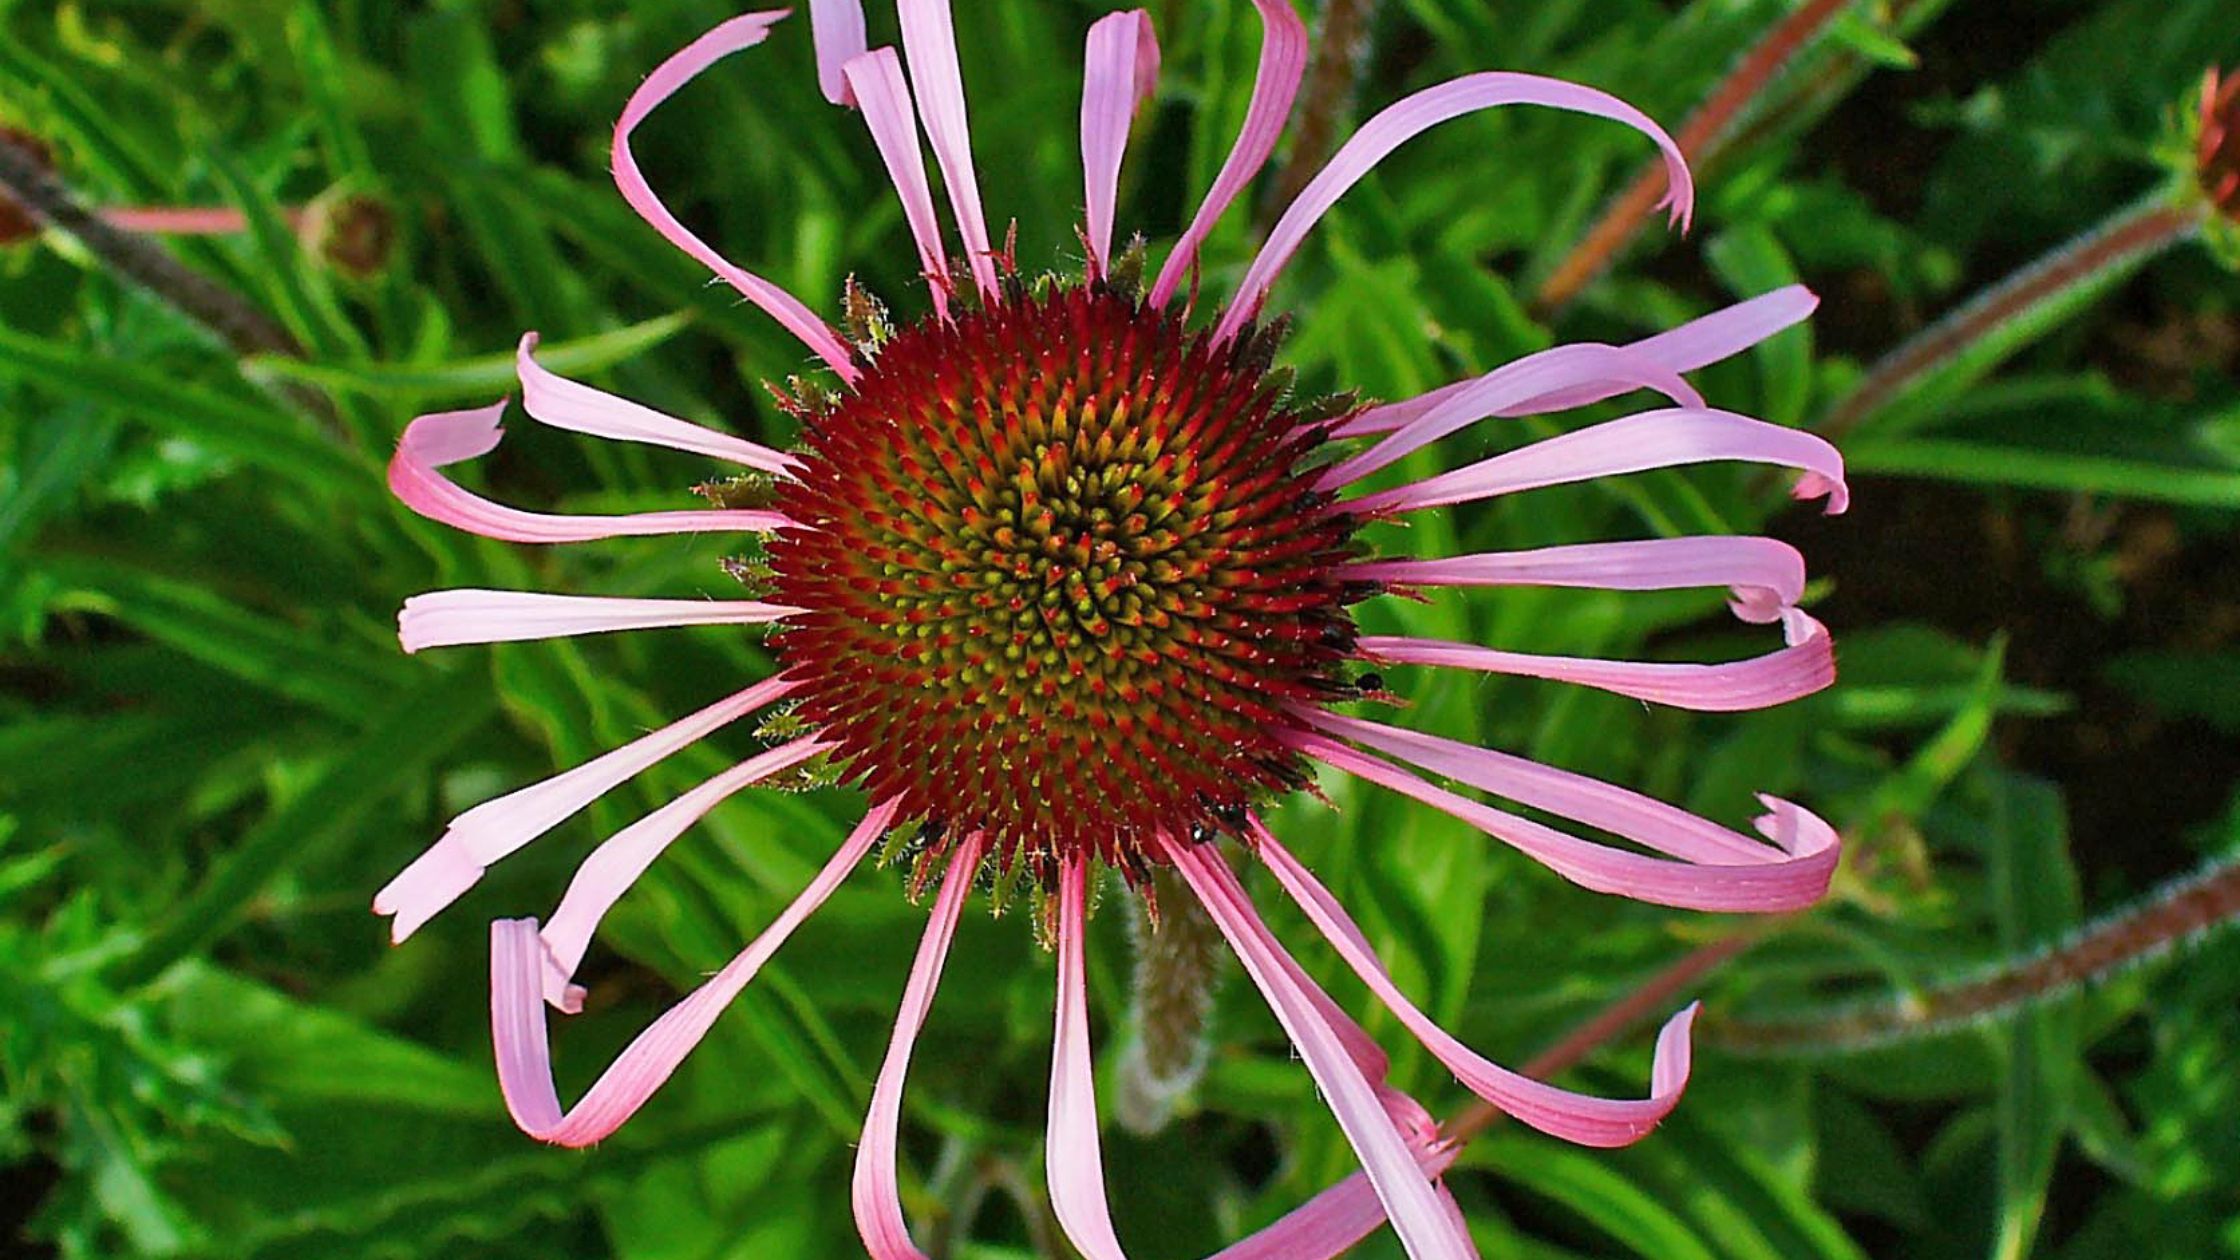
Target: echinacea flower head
column 2217, row 144
column 1061, row 576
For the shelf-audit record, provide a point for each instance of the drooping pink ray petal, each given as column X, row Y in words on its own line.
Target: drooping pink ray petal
column 565, row 404
column 524, row 1053
column 1764, row 574
column 452, row 618
column 1073, row 1158
column 1653, row 439
column 1644, row 820
column 1327, row 1225
column 739, row 33
column 1806, row 665
column 1119, row 73
column 1748, row 888
column 1573, row 1117
column 1427, row 1230
column 837, row 28
column 1283, row 62
column 616, row 865
column 876, row 1198
column 929, row 44
column 1720, row 335
column 1331, row 1223
column 1409, row 117
column 432, row 441
column 884, row 97
column 1535, row 375
column 490, row 831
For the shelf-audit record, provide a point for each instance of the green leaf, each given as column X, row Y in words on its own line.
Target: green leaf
column 408, row 735
column 286, row 660
column 2034, row 894
column 244, row 428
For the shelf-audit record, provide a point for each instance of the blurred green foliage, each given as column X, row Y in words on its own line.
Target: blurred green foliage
column 211, row 751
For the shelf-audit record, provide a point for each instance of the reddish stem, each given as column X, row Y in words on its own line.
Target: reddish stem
column 1650, row 998
column 1700, row 137
column 2184, row 909
column 2131, row 235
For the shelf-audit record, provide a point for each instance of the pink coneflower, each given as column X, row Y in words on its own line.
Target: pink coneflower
column 1062, row 580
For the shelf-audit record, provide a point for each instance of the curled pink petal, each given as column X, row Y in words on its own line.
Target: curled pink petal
column 1765, row 574
column 739, row 33
column 1427, row 1230
column 885, row 99
column 837, row 28
column 1708, row 339
column 566, row 404
column 1561, row 1113
column 1534, row 376
column 1752, row 887
column 615, row 865
column 1283, row 62
column 876, row 1198
column 1331, row 1223
column 1409, row 117
column 929, row 44
column 447, row 437
column 1644, row 820
column 1073, row 1158
column 1119, row 72
column 452, row 618
column 1806, row 665
column 524, row 1053
column 1653, row 439
column 492, row 830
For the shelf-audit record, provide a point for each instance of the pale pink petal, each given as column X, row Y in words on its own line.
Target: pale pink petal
column 1765, row 574
column 1573, row 1117
column 837, row 28
column 1283, row 62
column 492, row 830
column 875, row 1196
column 451, row 618
column 566, row 404
column 1408, row 118
column 1719, row 335
column 884, row 98
column 432, row 441
column 1793, row 883
column 1535, row 375
column 929, row 43
column 1073, row 1158
column 1427, row 1230
column 739, row 33
column 615, row 865
column 1642, row 819
column 524, row 1053
column 1653, row 439
column 1807, row 665
column 1119, row 72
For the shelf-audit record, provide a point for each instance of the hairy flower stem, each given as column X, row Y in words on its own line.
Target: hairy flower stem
column 2179, row 911
column 1700, row 138
column 144, row 262
column 2127, row 238
column 1647, row 1000
column 1177, row 969
column 1341, row 50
